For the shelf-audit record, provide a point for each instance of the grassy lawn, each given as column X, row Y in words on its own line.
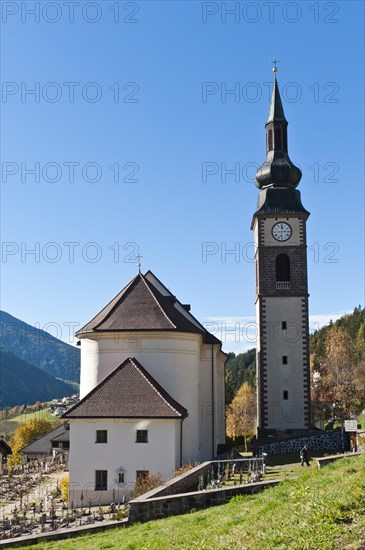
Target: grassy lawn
column 361, row 420
column 319, row 510
column 38, row 414
column 283, row 472
column 8, row 427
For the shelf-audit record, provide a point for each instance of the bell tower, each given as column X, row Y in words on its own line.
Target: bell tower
column 279, row 226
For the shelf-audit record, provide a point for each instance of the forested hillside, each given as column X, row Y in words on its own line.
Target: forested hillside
column 241, row 368
column 39, row 348
column 338, row 367
column 353, row 324
column 23, row 384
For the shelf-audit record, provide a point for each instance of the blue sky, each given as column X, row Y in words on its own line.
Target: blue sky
column 132, row 132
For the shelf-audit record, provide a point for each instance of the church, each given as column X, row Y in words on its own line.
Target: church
column 151, row 393
column 152, row 377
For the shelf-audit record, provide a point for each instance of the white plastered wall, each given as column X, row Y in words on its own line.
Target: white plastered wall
column 120, row 453
column 285, row 414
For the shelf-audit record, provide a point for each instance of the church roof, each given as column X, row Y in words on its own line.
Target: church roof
column 145, row 304
column 127, row 392
column 280, row 201
column 276, row 112
column 277, row 170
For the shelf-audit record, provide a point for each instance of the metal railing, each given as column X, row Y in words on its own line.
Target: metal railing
column 283, row 285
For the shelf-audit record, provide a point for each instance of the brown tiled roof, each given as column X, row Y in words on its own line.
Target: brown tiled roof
column 141, row 306
column 128, row 392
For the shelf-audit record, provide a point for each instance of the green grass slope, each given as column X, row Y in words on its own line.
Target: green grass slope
column 320, row 510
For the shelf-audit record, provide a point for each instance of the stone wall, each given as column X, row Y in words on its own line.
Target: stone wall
column 180, row 484
column 189, row 481
column 144, row 509
column 323, row 461
column 324, row 441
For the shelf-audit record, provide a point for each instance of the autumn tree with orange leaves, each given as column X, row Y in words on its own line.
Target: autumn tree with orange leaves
column 339, row 377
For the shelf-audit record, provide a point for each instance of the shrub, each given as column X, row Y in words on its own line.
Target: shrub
column 184, row 468
column 119, row 514
column 146, row 483
column 64, row 483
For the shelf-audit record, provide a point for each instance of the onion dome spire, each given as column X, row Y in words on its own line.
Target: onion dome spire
column 277, row 170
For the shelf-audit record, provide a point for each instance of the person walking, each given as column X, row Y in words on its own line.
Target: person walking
column 304, row 455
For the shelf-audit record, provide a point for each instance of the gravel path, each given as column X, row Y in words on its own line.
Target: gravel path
column 36, row 493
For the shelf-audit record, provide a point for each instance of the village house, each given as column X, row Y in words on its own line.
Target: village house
column 5, row 451
column 54, row 442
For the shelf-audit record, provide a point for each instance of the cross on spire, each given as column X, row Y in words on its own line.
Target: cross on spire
column 139, row 262
column 274, row 62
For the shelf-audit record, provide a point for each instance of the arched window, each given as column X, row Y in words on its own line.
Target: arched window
column 277, row 138
column 269, row 140
column 282, row 268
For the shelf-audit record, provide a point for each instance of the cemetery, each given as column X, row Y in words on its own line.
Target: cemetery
column 32, row 503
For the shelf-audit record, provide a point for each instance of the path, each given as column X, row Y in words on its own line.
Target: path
column 36, row 493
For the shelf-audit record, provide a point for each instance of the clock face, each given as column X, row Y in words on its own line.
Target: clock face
column 281, row 231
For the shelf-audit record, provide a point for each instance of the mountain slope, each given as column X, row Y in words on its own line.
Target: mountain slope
column 24, row 384
column 39, row 348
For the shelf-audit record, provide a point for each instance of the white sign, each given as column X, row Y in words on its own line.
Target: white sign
column 350, row 425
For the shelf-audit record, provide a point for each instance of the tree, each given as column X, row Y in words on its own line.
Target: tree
column 25, row 434
column 340, row 376
column 241, row 413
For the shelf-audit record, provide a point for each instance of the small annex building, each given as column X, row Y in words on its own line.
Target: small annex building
column 53, row 443
column 152, row 393
column 5, row 451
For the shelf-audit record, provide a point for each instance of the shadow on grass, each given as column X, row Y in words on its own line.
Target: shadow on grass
column 290, row 458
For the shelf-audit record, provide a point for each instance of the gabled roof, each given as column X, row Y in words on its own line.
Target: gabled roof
column 141, row 306
column 64, row 436
column 43, row 444
column 127, row 392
